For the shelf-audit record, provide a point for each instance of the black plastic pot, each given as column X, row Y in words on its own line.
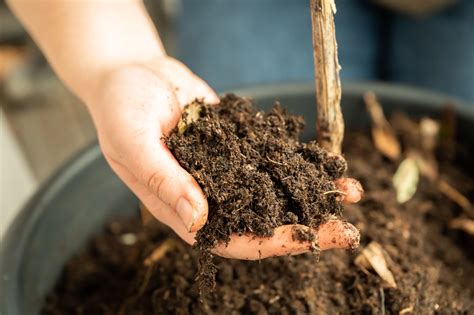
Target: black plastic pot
column 77, row 201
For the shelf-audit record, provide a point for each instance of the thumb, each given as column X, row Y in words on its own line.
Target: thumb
column 156, row 168
column 176, row 188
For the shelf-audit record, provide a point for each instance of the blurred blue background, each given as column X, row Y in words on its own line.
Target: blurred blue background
column 233, row 43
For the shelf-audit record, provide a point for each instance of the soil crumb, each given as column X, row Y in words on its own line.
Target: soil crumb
column 255, row 173
column 303, row 235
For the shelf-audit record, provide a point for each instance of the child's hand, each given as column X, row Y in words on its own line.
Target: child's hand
column 134, row 107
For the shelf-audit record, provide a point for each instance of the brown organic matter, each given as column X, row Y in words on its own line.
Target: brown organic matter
column 432, row 265
column 255, row 173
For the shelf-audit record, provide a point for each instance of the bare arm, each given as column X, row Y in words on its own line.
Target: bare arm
column 83, row 40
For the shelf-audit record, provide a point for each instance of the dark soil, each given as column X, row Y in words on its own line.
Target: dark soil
column 255, row 173
column 432, row 264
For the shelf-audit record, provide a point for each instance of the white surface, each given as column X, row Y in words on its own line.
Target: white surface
column 16, row 181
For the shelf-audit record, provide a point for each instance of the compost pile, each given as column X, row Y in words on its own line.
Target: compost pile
column 415, row 255
column 255, row 173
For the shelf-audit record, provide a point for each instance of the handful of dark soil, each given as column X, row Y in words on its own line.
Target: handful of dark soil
column 255, row 173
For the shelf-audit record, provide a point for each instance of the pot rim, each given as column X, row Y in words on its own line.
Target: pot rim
column 383, row 89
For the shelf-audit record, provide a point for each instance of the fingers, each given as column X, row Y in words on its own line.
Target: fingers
column 351, row 188
column 151, row 164
column 152, row 204
column 168, row 216
column 164, row 178
column 338, row 234
column 332, row 234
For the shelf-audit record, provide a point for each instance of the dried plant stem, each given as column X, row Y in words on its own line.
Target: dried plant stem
column 330, row 124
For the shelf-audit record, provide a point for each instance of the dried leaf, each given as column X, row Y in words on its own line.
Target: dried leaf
column 406, row 310
column 467, row 225
column 159, row 252
column 405, row 180
column 452, row 193
column 383, row 134
column 386, row 143
column 190, row 114
column 373, row 257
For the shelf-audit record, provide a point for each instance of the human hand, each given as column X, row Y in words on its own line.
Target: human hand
column 133, row 108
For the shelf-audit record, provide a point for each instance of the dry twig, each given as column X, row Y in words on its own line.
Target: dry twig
column 330, row 124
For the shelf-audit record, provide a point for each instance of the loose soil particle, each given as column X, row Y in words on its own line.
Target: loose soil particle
column 255, row 173
column 432, row 265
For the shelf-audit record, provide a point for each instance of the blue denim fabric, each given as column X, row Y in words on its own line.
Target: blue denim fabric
column 437, row 52
column 233, row 43
column 242, row 42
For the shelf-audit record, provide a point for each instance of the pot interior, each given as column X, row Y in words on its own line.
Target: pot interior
column 76, row 202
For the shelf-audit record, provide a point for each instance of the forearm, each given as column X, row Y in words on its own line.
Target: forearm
column 83, row 40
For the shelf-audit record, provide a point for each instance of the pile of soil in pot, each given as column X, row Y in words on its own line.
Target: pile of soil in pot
column 431, row 263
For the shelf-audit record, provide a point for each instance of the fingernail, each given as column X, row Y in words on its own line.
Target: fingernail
column 186, row 212
column 358, row 190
